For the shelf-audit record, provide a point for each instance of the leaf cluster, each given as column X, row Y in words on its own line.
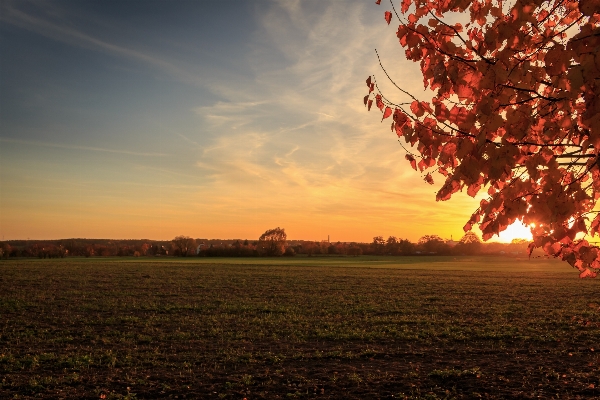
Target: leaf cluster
column 515, row 112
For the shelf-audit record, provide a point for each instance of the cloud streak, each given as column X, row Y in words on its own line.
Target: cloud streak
column 84, row 148
column 281, row 138
column 341, row 165
column 13, row 16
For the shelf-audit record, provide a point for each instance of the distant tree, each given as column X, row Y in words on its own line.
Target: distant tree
column 89, row 251
column 102, row 250
column 469, row 238
column 429, row 238
column 332, row 249
column 433, row 244
column 354, row 250
column 518, row 245
column 405, row 247
column 273, row 241
column 184, row 244
column 5, row 250
column 391, row 245
column 378, row 245
column 310, row 248
column 144, row 249
column 340, row 248
column 468, row 244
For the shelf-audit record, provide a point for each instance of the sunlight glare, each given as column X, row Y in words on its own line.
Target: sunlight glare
column 517, row 230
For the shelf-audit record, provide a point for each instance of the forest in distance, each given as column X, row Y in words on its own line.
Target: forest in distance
column 272, row 243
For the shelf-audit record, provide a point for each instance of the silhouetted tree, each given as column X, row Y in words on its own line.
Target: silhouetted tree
column 433, row 244
column 272, row 242
column 378, row 245
column 468, row 244
column 184, row 244
column 391, row 245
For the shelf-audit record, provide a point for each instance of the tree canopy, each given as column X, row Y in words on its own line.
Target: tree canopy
column 273, row 241
column 184, row 244
column 515, row 112
column 469, row 238
column 430, row 238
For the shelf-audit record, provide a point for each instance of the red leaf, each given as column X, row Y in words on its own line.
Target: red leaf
column 473, row 189
column 530, row 248
column 379, row 102
column 417, row 108
column 369, row 81
column 387, row 113
column 405, row 5
column 369, row 104
column 426, row 162
column 429, row 179
column 586, row 273
column 413, row 162
column 595, row 226
column 366, row 99
column 464, row 92
column 378, row 2
column 589, row 7
column 388, row 17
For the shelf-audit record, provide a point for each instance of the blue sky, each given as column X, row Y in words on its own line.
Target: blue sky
column 150, row 119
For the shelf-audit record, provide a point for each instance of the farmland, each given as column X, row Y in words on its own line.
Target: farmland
column 339, row 327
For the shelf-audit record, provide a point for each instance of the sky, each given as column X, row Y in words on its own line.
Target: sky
column 212, row 119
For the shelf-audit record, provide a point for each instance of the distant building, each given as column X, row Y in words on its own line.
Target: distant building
column 451, row 242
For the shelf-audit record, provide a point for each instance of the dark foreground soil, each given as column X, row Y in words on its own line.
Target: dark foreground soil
column 143, row 330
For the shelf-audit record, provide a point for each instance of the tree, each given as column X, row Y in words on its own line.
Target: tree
column 515, row 110
column 5, row 250
column 433, row 244
column 469, row 238
column 273, row 241
column 310, row 248
column 429, row 238
column 391, row 245
column 406, row 247
column 354, row 250
column 469, row 244
column 184, row 244
column 378, row 245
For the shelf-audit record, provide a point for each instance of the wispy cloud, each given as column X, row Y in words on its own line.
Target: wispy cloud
column 305, row 140
column 280, row 138
column 14, row 16
column 84, row 148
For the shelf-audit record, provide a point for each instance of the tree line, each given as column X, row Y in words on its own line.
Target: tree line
column 272, row 243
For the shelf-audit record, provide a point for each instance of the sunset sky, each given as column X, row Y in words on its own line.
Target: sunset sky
column 213, row 119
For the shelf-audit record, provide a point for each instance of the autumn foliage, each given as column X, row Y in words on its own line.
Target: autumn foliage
column 273, row 241
column 515, row 111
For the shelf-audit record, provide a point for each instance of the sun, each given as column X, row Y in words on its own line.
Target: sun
column 517, row 230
